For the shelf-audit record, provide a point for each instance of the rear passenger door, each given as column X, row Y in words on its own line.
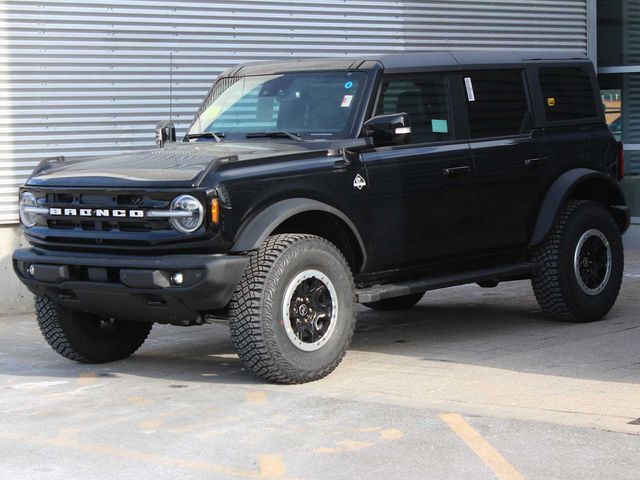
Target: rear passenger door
column 513, row 162
column 421, row 194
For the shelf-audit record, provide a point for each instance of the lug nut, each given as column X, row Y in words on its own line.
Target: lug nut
column 177, row 279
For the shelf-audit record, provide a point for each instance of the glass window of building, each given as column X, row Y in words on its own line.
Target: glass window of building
column 619, row 78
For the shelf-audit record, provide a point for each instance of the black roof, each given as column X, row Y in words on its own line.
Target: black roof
column 471, row 59
column 405, row 62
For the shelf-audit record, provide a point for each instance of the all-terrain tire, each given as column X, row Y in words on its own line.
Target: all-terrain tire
column 258, row 330
column 555, row 282
column 84, row 338
column 404, row 302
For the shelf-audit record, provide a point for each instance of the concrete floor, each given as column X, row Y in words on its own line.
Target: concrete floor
column 471, row 384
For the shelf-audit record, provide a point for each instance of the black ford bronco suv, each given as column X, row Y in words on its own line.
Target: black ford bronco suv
column 305, row 187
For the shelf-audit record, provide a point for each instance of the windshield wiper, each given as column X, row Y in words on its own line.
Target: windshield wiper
column 280, row 134
column 216, row 136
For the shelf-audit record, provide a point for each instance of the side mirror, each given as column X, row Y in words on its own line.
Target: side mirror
column 391, row 129
column 165, row 132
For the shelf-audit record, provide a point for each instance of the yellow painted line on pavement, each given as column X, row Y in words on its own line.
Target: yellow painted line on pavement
column 391, row 434
column 87, row 378
column 354, row 444
column 483, row 449
column 345, row 446
column 328, row 450
column 65, row 435
column 271, row 466
column 192, row 427
column 368, row 429
column 152, row 423
column 256, row 398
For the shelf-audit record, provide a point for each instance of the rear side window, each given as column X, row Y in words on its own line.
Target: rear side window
column 426, row 98
column 567, row 94
column 497, row 103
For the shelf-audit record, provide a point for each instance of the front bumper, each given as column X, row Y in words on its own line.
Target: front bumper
column 132, row 288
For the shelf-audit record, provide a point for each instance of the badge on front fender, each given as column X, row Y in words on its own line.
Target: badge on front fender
column 359, row 182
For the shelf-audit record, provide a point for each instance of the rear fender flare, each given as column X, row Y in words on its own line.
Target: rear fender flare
column 562, row 189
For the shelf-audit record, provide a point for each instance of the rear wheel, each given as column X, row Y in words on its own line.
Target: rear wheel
column 85, row 338
column 292, row 314
column 580, row 264
column 396, row 303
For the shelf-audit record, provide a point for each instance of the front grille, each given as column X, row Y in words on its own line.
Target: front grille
column 86, row 231
column 143, row 201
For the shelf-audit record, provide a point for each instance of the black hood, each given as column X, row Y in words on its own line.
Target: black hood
column 176, row 165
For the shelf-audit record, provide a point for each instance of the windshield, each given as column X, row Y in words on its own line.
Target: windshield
column 309, row 105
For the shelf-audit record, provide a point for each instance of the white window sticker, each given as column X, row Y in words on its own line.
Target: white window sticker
column 470, row 95
column 346, row 101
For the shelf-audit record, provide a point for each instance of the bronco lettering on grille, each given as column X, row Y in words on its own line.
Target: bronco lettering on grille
column 95, row 212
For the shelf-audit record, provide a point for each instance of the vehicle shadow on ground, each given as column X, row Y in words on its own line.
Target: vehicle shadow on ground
column 504, row 328
column 499, row 328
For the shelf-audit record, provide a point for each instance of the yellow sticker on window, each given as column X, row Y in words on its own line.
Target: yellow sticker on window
column 551, row 102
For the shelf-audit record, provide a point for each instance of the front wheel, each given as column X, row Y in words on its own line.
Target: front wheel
column 580, row 264
column 292, row 314
column 86, row 338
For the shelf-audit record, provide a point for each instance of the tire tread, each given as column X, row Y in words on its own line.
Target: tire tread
column 546, row 282
column 51, row 321
column 250, row 334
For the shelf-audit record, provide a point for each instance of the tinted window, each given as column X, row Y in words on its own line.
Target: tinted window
column 567, row 93
column 426, row 99
column 497, row 104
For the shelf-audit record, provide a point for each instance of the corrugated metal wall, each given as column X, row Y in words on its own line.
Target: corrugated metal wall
column 92, row 77
column 631, row 88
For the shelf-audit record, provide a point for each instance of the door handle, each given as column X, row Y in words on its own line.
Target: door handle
column 535, row 162
column 456, row 171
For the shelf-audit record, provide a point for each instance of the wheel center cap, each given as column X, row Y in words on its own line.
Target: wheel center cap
column 303, row 310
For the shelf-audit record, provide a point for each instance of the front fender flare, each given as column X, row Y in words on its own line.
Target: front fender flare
column 561, row 190
column 251, row 235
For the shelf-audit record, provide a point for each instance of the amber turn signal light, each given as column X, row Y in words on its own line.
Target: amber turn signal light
column 215, row 211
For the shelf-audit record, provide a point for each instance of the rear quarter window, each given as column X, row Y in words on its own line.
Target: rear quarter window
column 567, row 93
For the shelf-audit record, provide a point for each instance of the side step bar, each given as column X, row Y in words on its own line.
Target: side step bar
column 376, row 293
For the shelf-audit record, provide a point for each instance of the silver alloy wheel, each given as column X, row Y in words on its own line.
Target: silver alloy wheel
column 310, row 310
column 592, row 262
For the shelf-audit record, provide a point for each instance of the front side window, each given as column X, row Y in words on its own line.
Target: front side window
column 311, row 105
column 497, row 103
column 426, row 99
column 567, row 94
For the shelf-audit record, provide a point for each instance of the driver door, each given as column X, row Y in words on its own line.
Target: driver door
column 421, row 194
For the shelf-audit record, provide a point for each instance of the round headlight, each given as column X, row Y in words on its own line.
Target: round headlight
column 28, row 219
column 189, row 205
